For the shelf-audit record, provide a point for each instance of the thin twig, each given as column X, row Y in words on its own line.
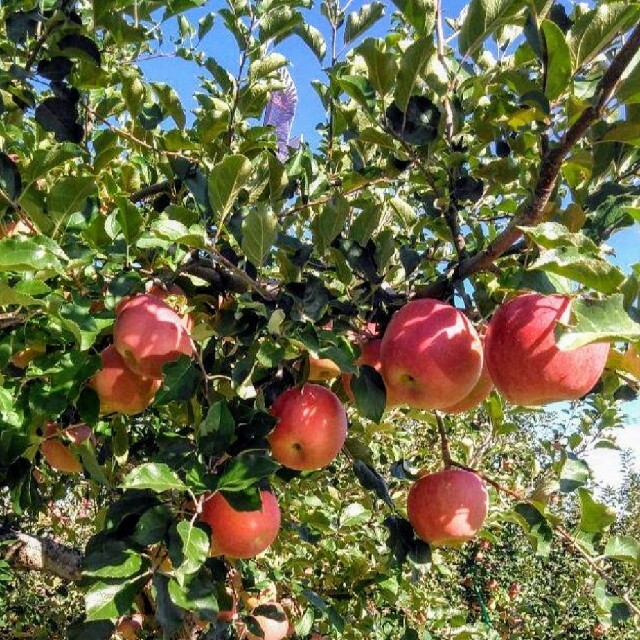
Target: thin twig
column 444, row 441
column 548, row 175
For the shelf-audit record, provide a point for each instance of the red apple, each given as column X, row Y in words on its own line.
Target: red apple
column 480, row 392
column 448, row 507
column 241, row 534
column 59, row 456
column 272, row 629
column 120, row 389
column 431, row 356
column 524, row 362
column 170, row 294
column 311, row 428
column 149, row 334
column 370, row 355
column 78, row 433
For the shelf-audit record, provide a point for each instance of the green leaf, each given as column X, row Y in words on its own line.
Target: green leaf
column 197, row 593
column 558, row 60
column 612, row 605
column 381, row 65
column 181, row 380
column 483, row 18
column 279, row 23
column 330, row 222
column 226, row 180
column 594, row 516
column 113, row 560
column 195, row 549
column 628, row 90
column 628, row 132
column 156, row 476
column 420, row 14
column 363, row 19
column 216, row 430
column 263, row 67
column 246, row 469
column 259, row 233
column 335, row 619
column 536, row 526
column 370, row 393
column 105, row 601
column 9, row 295
column 595, row 30
column 359, row 88
column 153, row 525
column 27, row 254
column 602, row 320
column 410, row 66
column 354, row 515
column 570, row 263
column 83, row 324
column 68, row 196
column 313, row 38
column 623, row 548
column 574, row 474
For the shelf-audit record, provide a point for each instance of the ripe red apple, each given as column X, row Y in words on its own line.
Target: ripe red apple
column 524, row 362
column 59, row 456
column 149, row 334
column 322, row 369
column 479, row 393
column 311, row 428
column 370, row 355
column 431, row 356
column 171, row 294
column 448, row 507
column 120, row 389
column 272, row 629
column 241, row 534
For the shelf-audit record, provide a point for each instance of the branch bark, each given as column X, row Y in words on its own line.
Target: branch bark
column 33, row 553
column 547, row 178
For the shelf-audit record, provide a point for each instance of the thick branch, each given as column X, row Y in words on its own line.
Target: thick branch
column 563, row 533
column 547, row 177
column 151, row 190
column 444, row 441
column 31, row 553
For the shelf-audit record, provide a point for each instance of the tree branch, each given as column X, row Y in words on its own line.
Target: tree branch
column 547, row 177
column 444, row 441
column 31, row 553
column 151, row 190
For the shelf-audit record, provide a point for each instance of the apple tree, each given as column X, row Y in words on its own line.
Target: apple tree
column 247, row 385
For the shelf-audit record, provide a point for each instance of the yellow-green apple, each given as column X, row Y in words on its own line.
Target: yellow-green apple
column 311, row 427
column 59, row 456
column 148, row 334
column 369, row 355
column 322, row 369
column 241, row 534
column 480, row 392
column 524, row 360
column 120, row 389
column 431, row 356
column 273, row 628
column 448, row 507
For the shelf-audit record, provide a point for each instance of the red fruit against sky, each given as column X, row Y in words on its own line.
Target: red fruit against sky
column 149, row 334
column 241, row 534
column 311, row 427
column 448, row 507
column 120, row 389
column 431, row 356
column 524, row 362
column 272, row 629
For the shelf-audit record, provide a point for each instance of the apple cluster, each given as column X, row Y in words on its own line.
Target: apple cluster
column 148, row 333
column 430, row 357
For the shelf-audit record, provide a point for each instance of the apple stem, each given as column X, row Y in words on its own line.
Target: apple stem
column 562, row 533
column 444, row 441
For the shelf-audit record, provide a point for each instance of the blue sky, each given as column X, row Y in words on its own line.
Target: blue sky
column 305, row 68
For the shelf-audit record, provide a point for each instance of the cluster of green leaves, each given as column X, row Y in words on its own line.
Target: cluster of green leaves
column 282, row 259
